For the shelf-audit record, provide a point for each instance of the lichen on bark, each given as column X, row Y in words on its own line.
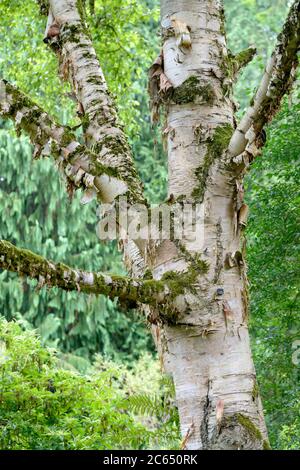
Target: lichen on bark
column 238, row 431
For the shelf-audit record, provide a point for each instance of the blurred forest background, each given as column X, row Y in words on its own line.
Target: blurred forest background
column 104, row 364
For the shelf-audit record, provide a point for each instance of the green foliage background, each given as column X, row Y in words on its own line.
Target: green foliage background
column 46, row 405
column 35, row 213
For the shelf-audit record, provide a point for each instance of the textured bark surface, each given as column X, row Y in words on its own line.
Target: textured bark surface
column 217, row 393
column 197, row 295
column 208, row 155
column 80, row 66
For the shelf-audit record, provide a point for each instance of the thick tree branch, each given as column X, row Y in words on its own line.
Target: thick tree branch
column 82, row 167
column 68, row 35
column 128, row 291
column 276, row 82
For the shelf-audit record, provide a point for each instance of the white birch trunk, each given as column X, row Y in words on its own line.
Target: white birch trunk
column 208, row 353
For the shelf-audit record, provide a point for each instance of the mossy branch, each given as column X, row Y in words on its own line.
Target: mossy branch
column 129, row 291
column 51, row 274
column 68, row 35
column 82, row 167
column 241, row 60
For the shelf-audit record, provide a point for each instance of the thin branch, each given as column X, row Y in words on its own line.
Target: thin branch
column 82, row 167
column 277, row 80
column 129, row 291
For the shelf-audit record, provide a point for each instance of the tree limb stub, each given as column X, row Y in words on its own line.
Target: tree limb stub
column 241, row 60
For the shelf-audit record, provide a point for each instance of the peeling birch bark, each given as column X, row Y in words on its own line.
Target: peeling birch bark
column 197, row 294
column 80, row 66
column 81, row 167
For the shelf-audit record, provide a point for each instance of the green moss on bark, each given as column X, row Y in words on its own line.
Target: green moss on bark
column 44, row 6
column 255, row 391
column 232, row 64
column 184, row 281
column 250, row 426
column 266, row 445
column 73, row 33
column 246, row 434
column 191, row 90
column 215, row 148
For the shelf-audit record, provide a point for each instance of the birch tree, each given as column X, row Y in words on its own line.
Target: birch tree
column 193, row 294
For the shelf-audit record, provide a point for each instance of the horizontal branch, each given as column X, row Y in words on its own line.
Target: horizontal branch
column 82, row 167
column 129, row 291
column 277, row 80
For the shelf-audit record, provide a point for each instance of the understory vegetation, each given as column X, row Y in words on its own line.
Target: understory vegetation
column 45, row 403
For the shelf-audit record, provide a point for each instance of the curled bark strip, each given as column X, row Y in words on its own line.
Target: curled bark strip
column 185, row 440
column 172, row 26
column 159, row 86
column 234, row 259
column 228, row 313
column 182, row 33
column 219, row 413
column 243, row 215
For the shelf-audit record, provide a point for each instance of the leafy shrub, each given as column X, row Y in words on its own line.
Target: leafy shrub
column 44, row 406
column 289, row 437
